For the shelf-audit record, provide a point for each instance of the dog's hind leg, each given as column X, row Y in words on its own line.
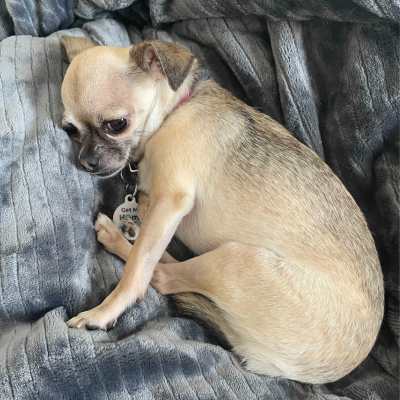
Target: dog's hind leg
column 266, row 307
column 236, row 278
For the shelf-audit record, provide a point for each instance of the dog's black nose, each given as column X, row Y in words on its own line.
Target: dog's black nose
column 90, row 162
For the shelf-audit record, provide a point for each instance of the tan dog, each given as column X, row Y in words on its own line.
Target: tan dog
column 285, row 254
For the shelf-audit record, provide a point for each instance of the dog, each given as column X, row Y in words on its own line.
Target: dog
column 286, row 269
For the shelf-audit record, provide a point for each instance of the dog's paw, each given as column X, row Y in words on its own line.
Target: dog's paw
column 108, row 234
column 164, row 280
column 92, row 319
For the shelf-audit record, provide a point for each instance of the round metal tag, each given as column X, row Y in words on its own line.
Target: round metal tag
column 127, row 219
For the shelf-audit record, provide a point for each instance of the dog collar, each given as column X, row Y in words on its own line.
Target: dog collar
column 185, row 98
column 129, row 177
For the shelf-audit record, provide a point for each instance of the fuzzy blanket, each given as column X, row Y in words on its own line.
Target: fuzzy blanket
column 328, row 70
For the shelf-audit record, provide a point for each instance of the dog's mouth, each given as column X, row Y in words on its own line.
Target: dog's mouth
column 106, row 173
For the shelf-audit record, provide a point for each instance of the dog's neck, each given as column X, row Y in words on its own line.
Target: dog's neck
column 165, row 103
column 185, row 97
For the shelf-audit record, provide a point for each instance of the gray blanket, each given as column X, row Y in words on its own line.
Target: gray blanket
column 328, row 70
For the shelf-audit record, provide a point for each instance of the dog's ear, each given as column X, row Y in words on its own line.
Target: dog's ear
column 163, row 59
column 75, row 45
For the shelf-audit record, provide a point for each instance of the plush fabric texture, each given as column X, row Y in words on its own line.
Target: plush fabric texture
column 328, row 70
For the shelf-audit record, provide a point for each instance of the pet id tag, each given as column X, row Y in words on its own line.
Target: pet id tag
column 127, row 219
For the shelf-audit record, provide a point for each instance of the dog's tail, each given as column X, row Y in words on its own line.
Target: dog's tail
column 207, row 313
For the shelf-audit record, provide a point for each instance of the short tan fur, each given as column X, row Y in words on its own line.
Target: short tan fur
column 285, row 254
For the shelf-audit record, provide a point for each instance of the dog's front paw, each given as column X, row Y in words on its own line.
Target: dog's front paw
column 96, row 318
column 109, row 235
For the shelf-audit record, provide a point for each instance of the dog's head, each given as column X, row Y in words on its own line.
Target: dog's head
column 116, row 98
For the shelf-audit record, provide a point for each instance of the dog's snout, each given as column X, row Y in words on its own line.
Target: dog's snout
column 89, row 161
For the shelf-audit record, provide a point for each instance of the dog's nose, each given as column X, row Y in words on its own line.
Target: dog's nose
column 89, row 162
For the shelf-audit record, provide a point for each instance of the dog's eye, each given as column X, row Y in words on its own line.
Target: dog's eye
column 71, row 130
column 115, row 125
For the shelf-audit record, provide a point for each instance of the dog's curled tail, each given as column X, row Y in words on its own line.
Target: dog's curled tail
column 206, row 312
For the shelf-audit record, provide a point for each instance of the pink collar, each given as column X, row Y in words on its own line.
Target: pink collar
column 185, row 98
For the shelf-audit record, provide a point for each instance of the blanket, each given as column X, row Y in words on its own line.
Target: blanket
column 328, row 70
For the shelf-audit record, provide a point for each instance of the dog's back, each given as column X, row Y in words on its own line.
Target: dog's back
column 258, row 186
